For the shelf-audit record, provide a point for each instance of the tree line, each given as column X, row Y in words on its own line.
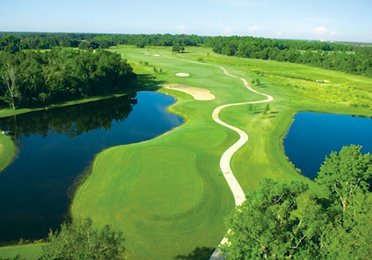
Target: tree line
column 288, row 221
column 38, row 78
column 349, row 58
column 13, row 42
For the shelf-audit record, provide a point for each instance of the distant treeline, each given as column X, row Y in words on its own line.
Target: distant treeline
column 353, row 58
column 343, row 57
column 36, row 78
column 13, row 42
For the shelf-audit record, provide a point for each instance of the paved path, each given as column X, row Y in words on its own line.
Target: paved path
column 225, row 161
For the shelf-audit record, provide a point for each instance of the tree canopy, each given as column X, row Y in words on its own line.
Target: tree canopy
column 35, row 78
column 81, row 240
column 352, row 58
column 285, row 220
column 348, row 57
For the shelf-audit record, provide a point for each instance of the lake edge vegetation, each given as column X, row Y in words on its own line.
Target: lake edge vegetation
column 37, row 79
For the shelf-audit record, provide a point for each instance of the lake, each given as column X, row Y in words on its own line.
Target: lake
column 55, row 146
column 312, row 136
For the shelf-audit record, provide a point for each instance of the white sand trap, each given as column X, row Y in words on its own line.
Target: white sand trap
column 182, row 75
column 156, row 55
column 197, row 93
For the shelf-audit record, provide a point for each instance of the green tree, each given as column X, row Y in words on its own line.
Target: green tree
column 277, row 221
column 80, row 240
column 177, row 47
column 346, row 173
column 8, row 75
column 346, row 176
column 282, row 220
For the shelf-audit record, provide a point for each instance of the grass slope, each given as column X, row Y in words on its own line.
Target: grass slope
column 167, row 194
column 7, row 151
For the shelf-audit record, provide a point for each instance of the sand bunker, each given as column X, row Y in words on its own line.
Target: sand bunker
column 196, row 93
column 182, row 75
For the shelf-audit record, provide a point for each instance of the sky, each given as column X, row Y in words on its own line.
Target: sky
column 330, row 20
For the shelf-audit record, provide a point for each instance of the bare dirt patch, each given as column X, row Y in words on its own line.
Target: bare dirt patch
column 197, row 93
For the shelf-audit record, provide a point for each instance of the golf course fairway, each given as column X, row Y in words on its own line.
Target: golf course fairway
column 168, row 195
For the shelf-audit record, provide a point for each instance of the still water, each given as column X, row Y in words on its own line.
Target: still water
column 57, row 145
column 312, row 136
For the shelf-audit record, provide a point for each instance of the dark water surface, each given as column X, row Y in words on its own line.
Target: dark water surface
column 54, row 148
column 312, row 136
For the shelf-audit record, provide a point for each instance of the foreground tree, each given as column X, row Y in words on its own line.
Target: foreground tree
column 80, row 240
column 346, row 173
column 347, row 176
column 282, row 220
column 276, row 221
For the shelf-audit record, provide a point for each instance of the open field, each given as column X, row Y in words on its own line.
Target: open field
column 167, row 195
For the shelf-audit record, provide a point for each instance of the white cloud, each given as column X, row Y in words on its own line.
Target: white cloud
column 227, row 31
column 181, row 29
column 254, row 28
column 320, row 30
column 324, row 33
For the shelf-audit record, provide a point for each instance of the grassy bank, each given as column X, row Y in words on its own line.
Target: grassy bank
column 7, row 151
column 167, row 194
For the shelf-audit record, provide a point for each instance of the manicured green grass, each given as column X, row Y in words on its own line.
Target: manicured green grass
column 29, row 252
column 167, row 194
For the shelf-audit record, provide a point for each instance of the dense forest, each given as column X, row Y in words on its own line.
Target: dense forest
column 343, row 57
column 22, row 41
column 35, row 78
column 348, row 57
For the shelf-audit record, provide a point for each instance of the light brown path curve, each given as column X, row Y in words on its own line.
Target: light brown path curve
column 225, row 161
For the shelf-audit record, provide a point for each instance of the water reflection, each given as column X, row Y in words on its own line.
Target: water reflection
column 55, row 146
column 72, row 120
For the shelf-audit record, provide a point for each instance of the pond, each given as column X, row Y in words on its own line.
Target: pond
column 55, row 146
column 313, row 136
